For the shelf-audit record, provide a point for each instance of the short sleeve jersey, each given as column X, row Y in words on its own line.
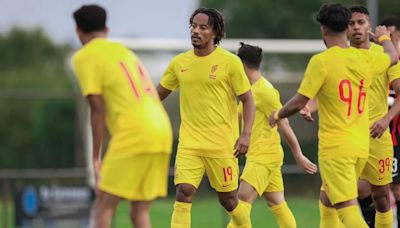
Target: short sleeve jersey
column 208, row 87
column 134, row 114
column 340, row 78
column 264, row 140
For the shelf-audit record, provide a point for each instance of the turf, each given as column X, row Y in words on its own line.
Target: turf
column 206, row 212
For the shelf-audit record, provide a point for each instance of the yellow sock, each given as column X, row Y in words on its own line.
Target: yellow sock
column 283, row 215
column 384, row 220
column 329, row 217
column 181, row 215
column 240, row 216
column 351, row 217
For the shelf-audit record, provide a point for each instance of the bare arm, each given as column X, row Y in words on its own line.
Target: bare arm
column 162, row 92
column 379, row 127
column 310, row 107
column 97, row 119
column 242, row 144
column 387, row 44
column 294, row 105
column 291, row 139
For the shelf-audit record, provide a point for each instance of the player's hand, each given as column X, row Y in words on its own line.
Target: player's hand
column 242, row 144
column 272, row 120
column 96, row 167
column 306, row 165
column 306, row 114
column 379, row 127
column 380, row 30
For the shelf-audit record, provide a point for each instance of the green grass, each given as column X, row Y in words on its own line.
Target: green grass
column 206, row 212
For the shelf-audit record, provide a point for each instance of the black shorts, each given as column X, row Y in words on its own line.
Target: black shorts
column 394, row 130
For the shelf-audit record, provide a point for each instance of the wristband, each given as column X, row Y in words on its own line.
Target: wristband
column 383, row 38
column 276, row 115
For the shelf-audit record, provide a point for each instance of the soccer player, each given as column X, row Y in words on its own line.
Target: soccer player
column 209, row 79
column 123, row 99
column 262, row 173
column 393, row 25
column 376, row 176
column 339, row 78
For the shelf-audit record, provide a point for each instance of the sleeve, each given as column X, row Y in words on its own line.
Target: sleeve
column 394, row 72
column 239, row 80
column 314, row 78
column 169, row 79
column 270, row 101
column 88, row 72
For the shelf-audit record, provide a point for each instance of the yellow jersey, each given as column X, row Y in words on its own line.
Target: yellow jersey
column 265, row 141
column 339, row 78
column 208, row 87
column 379, row 91
column 134, row 115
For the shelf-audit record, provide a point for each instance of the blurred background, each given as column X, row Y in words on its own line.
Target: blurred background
column 44, row 133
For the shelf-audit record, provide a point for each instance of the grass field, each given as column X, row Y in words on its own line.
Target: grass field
column 206, row 212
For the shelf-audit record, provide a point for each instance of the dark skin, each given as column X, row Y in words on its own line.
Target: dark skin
column 299, row 101
column 202, row 39
column 359, row 33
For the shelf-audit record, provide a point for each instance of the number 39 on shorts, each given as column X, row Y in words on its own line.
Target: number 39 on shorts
column 347, row 96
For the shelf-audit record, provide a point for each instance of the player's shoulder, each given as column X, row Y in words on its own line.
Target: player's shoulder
column 265, row 88
column 376, row 48
column 222, row 53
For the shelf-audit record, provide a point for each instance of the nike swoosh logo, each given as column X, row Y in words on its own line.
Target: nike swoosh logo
column 183, row 70
column 224, row 186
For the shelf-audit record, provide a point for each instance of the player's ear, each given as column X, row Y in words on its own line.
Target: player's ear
column 106, row 30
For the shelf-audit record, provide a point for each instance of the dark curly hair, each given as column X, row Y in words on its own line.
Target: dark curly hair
column 335, row 17
column 215, row 19
column 359, row 9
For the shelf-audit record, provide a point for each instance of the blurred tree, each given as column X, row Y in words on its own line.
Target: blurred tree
column 34, row 132
column 280, row 19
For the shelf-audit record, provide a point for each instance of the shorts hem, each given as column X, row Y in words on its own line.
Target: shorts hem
column 130, row 197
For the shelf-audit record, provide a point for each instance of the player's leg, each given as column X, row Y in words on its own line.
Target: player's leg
column 103, row 210
column 395, row 186
column 378, row 172
column 189, row 171
column 329, row 217
column 223, row 174
column 339, row 179
column 140, row 214
column 384, row 214
column 366, row 203
column 280, row 210
column 276, row 200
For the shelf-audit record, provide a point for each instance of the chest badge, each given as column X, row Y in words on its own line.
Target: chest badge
column 212, row 75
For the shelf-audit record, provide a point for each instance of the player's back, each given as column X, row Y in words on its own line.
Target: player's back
column 344, row 75
column 264, row 140
column 135, row 116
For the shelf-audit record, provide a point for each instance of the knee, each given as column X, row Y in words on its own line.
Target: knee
column 381, row 200
column 228, row 201
column 185, row 193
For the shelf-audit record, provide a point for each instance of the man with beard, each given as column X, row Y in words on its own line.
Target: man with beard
column 209, row 79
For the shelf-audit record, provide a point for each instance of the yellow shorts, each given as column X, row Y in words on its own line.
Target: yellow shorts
column 140, row 177
column 263, row 177
column 223, row 173
column 339, row 177
column 378, row 170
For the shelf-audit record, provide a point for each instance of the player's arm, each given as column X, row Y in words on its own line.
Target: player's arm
column 162, row 92
column 242, row 144
column 310, row 108
column 293, row 106
column 379, row 127
column 291, row 139
column 383, row 37
column 97, row 118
